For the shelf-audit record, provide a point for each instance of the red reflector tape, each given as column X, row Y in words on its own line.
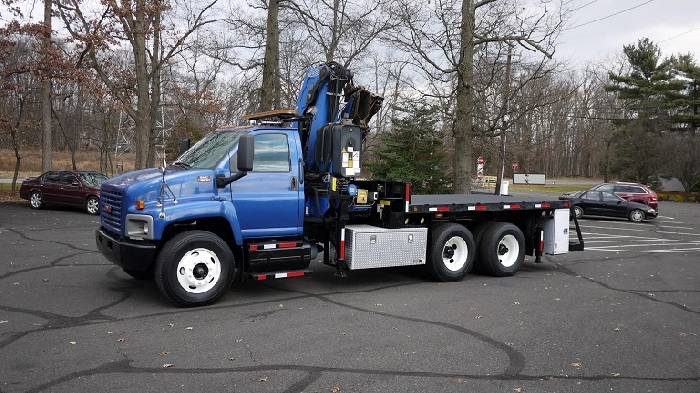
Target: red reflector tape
column 295, row 274
column 542, row 205
column 253, row 247
column 443, row 208
column 288, row 244
column 341, row 252
column 512, row 207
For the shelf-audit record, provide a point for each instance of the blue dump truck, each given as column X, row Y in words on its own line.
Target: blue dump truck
column 263, row 200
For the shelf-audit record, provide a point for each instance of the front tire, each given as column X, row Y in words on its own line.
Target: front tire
column 36, row 201
column 502, row 250
column 92, row 205
column 578, row 211
column 636, row 215
column 195, row 268
column 452, row 253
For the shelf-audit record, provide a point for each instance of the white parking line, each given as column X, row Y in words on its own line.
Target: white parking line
column 678, row 233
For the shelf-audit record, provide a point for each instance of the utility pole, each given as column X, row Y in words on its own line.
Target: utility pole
column 504, row 119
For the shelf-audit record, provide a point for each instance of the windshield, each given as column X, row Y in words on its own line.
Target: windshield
column 92, row 179
column 209, row 150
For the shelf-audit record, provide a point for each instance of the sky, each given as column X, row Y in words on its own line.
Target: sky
column 600, row 28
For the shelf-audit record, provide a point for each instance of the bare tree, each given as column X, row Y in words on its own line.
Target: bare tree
column 153, row 40
column 443, row 38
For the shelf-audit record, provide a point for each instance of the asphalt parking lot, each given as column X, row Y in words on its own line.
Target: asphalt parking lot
column 622, row 316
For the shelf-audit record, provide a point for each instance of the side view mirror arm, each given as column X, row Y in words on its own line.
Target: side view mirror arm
column 223, row 181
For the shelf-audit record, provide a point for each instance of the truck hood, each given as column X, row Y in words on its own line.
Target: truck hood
column 146, row 184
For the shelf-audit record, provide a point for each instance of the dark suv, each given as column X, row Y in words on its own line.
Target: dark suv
column 635, row 192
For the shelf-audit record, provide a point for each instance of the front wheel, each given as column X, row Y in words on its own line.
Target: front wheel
column 36, row 201
column 578, row 211
column 502, row 249
column 195, row 268
column 636, row 215
column 92, row 205
column 452, row 254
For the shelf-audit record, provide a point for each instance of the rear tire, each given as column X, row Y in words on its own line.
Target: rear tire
column 502, row 250
column 92, row 205
column 452, row 252
column 195, row 268
column 478, row 233
column 578, row 211
column 36, row 201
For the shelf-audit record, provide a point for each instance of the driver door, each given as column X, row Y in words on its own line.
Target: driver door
column 269, row 200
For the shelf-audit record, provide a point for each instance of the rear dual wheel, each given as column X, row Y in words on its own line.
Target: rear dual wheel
column 452, row 253
column 501, row 249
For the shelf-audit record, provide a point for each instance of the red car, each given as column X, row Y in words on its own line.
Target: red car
column 635, row 192
column 71, row 188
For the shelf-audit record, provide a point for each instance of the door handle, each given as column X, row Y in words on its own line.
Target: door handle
column 295, row 185
column 301, row 171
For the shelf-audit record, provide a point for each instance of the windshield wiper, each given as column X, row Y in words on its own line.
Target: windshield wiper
column 182, row 164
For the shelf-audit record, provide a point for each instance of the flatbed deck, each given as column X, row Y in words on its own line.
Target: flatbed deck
column 480, row 202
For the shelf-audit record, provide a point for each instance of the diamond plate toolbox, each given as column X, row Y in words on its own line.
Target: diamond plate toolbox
column 367, row 246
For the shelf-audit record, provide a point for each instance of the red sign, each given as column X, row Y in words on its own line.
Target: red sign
column 515, row 165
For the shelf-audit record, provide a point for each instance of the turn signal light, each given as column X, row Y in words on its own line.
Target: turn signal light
column 140, row 204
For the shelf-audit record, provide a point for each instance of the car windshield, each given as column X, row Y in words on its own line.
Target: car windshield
column 92, row 179
column 209, row 150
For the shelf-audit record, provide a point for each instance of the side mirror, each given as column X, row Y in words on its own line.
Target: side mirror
column 246, row 147
column 244, row 161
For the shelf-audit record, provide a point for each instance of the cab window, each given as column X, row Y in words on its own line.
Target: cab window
column 271, row 153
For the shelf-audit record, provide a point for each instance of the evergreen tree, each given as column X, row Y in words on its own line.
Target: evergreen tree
column 687, row 115
column 413, row 151
column 649, row 93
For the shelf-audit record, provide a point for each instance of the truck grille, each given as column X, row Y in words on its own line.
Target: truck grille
column 111, row 210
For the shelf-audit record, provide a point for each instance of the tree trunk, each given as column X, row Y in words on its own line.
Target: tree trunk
column 269, row 98
column 465, row 103
column 142, row 119
column 46, row 94
column 155, row 86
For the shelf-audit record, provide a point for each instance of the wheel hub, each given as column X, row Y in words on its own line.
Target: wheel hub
column 449, row 252
column 199, row 270
column 502, row 249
